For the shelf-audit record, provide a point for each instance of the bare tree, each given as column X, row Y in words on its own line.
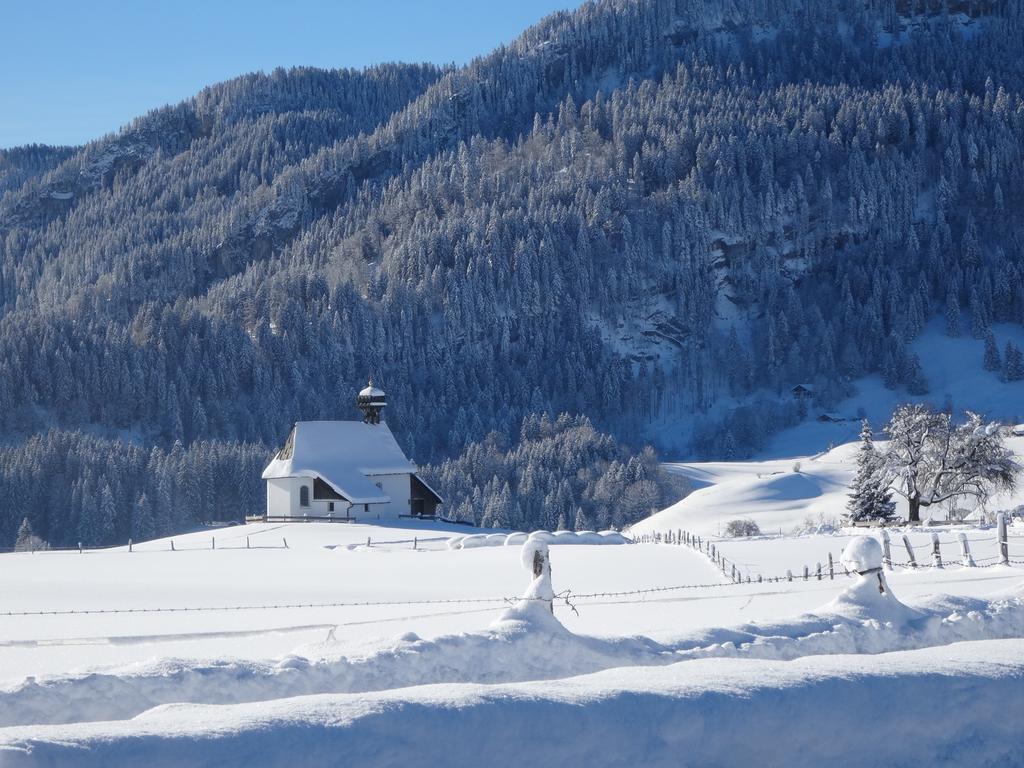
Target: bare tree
column 930, row 460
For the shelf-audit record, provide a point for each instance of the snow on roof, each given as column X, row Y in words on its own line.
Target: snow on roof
column 343, row 454
column 371, row 391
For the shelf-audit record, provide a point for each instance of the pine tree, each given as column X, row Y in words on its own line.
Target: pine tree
column 992, row 361
column 1013, row 363
column 580, row 523
column 917, row 384
column 25, row 536
column 870, row 498
column 952, row 316
column 143, row 520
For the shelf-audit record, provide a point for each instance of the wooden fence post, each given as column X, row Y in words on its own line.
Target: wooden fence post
column 415, row 542
column 1004, row 545
column 734, row 573
column 819, row 571
column 886, row 551
column 129, row 545
column 936, row 552
column 831, row 569
column 285, row 542
column 806, row 573
column 910, row 551
column 213, row 542
column 247, row 542
column 789, row 575
column 79, row 547
column 172, row 545
column 965, row 551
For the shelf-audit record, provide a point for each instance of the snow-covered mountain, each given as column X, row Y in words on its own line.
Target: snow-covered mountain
column 662, row 215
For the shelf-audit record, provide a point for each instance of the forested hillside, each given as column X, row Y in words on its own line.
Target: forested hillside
column 640, row 208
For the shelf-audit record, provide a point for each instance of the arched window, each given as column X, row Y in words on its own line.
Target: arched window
column 304, row 496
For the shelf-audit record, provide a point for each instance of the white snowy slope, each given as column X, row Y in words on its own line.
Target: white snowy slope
column 780, row 495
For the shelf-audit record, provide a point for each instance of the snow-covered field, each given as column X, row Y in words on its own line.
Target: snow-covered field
column 363, row 644
column 238, row 650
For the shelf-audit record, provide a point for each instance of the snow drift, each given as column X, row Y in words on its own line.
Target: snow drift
column 842, row 710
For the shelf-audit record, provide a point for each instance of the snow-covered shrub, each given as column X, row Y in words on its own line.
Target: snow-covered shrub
column 742, row 527
column 820, row 523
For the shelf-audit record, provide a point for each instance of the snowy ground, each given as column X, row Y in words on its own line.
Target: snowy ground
column 661, row 673
column 780, row 495
column 360, row 644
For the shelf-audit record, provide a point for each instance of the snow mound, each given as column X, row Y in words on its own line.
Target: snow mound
column 535, row 606
column 869, row 597
column 862, row 554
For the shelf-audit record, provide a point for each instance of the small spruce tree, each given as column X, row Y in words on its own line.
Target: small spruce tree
column 870, row 498
column 1013, row 363
column 917, row 384
column 992, row 361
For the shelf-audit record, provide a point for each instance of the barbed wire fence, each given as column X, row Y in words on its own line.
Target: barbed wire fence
column 732, row 573
column 737, row 573
column 213, row 544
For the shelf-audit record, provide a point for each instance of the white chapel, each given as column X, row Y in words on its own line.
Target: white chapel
column 346, row 469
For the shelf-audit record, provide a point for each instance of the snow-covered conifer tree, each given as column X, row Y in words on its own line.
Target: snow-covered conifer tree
column 870, row 498
column 992, row 361
column 1013, row 363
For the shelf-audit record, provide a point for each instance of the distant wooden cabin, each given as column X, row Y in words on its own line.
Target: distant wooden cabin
column 802, row 392
column 346, row 469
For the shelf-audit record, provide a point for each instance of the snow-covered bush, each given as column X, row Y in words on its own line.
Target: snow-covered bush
column 742, row 527
column 819, row 523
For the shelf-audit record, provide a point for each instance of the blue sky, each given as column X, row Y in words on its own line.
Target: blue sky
column 73, row 70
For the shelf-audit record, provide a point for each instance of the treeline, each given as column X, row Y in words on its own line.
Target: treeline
column 74, row 487
column 562, row 474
